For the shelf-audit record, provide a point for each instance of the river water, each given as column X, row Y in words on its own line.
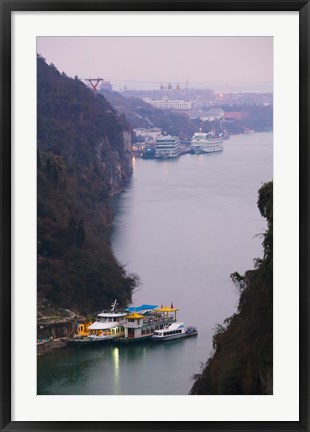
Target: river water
column 183, row 226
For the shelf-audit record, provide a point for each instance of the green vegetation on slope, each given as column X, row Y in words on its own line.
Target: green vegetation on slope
column 243, row 356
column 83, row 157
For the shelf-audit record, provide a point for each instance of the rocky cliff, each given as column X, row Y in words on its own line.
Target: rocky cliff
column 242, row 362
column 84, row 157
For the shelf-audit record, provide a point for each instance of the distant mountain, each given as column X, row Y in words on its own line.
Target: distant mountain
column 242, row 363
column 83, row 157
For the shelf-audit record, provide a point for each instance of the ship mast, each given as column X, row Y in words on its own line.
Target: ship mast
column 113, row 305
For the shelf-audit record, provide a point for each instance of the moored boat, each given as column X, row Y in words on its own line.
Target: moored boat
column 167, row 147
column 148, row 153
column 175, row 330
column 109, row 325
column 206, row 143
column 135, row 324
column 141, row 324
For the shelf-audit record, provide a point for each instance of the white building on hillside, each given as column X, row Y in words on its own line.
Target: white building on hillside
column 165, row 103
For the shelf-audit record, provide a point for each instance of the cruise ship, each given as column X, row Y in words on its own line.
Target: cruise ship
column 167, row 147
column 206, row 143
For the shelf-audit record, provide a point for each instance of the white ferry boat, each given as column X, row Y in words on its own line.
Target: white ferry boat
column 175, row 330
column 167, row 147
column 206, row 143
column 110, row 325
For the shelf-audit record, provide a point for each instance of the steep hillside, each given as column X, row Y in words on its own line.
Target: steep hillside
column 83, row 157
column 242, row 362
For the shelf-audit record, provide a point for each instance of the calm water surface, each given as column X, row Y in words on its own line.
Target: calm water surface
column 183, row 226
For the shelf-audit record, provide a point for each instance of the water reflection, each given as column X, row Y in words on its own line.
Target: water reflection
column 115, row 360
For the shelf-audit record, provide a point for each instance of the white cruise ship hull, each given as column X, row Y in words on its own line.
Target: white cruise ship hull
column 167, row 155
column 207, row 149
column 204, row 143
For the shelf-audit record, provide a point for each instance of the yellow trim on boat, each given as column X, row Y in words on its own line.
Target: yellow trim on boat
column 134, row 315
column 166, row 309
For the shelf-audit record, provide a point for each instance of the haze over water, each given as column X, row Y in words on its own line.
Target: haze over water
column 183, row 226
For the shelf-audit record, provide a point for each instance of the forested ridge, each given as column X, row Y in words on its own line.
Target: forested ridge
column 242, row 361
column 83, row 156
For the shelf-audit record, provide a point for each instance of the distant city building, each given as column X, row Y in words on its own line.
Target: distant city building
column 165, row 103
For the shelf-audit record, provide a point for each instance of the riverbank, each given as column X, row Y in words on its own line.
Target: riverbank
column 50, row 346
column 54, row 330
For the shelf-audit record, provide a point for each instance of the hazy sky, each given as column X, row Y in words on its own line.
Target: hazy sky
column 141, row 62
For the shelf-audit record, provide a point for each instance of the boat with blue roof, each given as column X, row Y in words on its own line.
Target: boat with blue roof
column 134, row 324
column 142, row 322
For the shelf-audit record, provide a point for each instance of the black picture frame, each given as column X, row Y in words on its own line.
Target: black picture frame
column 7, row 7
